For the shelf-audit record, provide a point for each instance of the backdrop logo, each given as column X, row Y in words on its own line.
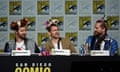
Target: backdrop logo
column 42, row 38
column 113, row 22
column 43, row 7
column 71, row 6
column 84, row 23
column 98, row 6
column 3, row 23
column 73, row 36
column 15, row 7
column 33, row 67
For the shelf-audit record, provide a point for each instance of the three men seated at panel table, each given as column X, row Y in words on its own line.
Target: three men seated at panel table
column 99, row 41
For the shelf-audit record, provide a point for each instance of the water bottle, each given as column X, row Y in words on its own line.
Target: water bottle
column 82, row 51
column 9, row 50
column 42, row 49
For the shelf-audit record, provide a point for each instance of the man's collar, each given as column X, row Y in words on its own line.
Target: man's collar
column 107, row 38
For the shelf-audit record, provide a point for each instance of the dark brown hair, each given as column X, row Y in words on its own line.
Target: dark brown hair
column 49, row 27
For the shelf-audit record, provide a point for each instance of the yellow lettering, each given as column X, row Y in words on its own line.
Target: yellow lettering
column 18, row 69
column 34, row 70
column 41, row 69
column 26, row 69
column 47, row 69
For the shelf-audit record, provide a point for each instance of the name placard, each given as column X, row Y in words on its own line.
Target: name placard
column 99, row 53
column 21, row 53
column 65, row 52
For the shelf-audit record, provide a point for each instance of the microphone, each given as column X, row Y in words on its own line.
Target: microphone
column 59, row 43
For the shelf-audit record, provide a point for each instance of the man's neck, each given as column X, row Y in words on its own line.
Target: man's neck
column 102, row 35
column 19, row 40
column 55, row 40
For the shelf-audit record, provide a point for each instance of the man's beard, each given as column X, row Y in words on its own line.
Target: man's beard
column 97, row 34
column 56, row 35
column 99, row 38
column 22, row 37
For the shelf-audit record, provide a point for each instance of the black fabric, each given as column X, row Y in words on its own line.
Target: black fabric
column 59, row 43
column 37, row 50
column 6, row 47
column 25, row 42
